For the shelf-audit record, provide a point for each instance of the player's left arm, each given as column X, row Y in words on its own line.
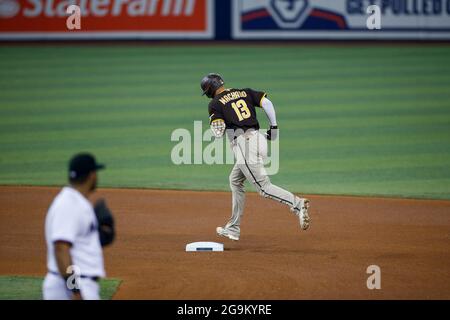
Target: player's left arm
column 260, row 99
column 269, row 109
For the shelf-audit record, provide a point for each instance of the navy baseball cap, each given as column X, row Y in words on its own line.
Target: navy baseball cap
column 82, row 164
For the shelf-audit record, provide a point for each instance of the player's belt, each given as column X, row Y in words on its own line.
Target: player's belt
column 81, row 276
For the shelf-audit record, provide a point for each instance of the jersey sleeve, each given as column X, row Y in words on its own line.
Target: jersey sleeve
column 66, row 225
column 215, row 112
column 256, row 96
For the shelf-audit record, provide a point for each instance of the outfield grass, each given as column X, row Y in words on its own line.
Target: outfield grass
column 30, row 288
column 354, row 120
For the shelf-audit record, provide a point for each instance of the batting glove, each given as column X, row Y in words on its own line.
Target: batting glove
column 272, row 133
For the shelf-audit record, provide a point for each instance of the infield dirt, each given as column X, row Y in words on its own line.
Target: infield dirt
column 408, row 239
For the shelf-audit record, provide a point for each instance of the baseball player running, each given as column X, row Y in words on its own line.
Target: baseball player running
column 234, row 111
column 75, row 233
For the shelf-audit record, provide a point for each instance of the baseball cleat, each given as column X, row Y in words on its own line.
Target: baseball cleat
column 222, row 232
column 301, row 210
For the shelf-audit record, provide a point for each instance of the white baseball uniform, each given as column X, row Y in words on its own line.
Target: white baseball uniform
column 71, row 218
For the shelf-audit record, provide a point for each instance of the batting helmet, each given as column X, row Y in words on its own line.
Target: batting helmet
column 211, row 83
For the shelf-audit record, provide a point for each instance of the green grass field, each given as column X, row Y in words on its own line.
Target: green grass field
column 30, row 288
column 355, row 120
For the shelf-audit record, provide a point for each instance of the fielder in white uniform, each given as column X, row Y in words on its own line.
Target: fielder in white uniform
column 74, row 249
column 234, row 110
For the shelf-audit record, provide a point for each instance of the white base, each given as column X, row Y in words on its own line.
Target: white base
column 204, row 246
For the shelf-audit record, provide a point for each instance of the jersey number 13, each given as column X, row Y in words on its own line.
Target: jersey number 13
column 241, row 109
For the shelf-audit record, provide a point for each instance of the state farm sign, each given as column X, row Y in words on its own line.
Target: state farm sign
column 146, row 19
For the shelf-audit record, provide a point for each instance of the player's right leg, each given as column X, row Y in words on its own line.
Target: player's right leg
column 232, row 229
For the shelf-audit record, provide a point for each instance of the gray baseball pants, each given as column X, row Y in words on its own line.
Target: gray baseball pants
column 250, row 150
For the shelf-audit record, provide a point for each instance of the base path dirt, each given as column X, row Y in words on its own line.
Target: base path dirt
column 408, row 239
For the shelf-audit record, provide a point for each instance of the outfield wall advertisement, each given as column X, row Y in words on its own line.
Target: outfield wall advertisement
column 225, row 19
column 108, row 19
column 340, row 19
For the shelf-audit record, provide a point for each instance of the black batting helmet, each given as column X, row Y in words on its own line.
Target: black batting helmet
column 211, row 83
